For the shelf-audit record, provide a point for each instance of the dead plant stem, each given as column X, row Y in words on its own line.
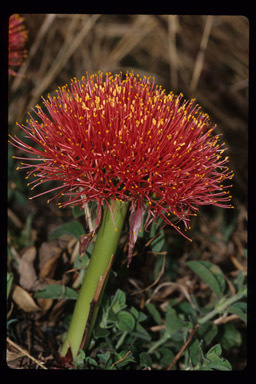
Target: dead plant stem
column 184, row 346
column 200, row 56
column 25, row 353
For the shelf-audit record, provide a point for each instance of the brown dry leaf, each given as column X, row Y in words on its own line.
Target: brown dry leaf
column 26, row 268
column 11, row 356
column 45, row 304
column 49, row 254
column 49, row 267
column 24, row 300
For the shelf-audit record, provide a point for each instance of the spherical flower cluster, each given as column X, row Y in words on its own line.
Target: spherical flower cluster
column 118, row 137
column 17, row 38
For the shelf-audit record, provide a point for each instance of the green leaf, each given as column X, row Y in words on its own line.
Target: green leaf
column 166, row 356
column 221, row 365
column 127, row 358
column 73, row 228
column 208, row 331
column 90, row 361
column 195, row 352
column 126, row 321
column 56, row 292
column 239, row 309
column 141, row 333
column 139, row 316
column 118, row 301
column 216, row 361
column 100, row 333
column 231, row 337
column 154, row 313
column 172, row 322
column 106, row 314
column 158, row 243
column 215, row 350
column 187, row 309
column 104, row 357
column 80, row 360
column 240, row 280
column 145, row 360
column 210, row 274
column 155, row 229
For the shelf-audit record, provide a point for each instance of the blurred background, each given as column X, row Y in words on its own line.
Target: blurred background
column 204, row 57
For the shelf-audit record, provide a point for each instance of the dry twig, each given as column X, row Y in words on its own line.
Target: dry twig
column 32, row 51
column 200, row 57
column 119, row 361
column 69, row 47
column 176, row 358
column 24, row 352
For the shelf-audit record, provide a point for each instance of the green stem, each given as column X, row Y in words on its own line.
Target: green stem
column 104, row 249
column 158, row 343
column 221, row 307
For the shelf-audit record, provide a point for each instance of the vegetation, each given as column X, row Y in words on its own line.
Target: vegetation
column 179, row 305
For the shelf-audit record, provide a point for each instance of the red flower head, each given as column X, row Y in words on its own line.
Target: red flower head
column 17, row 38
column 126, row 139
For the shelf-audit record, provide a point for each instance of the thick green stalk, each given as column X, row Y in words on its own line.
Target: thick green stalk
column 104, row 249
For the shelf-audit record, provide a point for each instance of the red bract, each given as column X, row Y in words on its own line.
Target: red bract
column 17, row 38
column 126, row 139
